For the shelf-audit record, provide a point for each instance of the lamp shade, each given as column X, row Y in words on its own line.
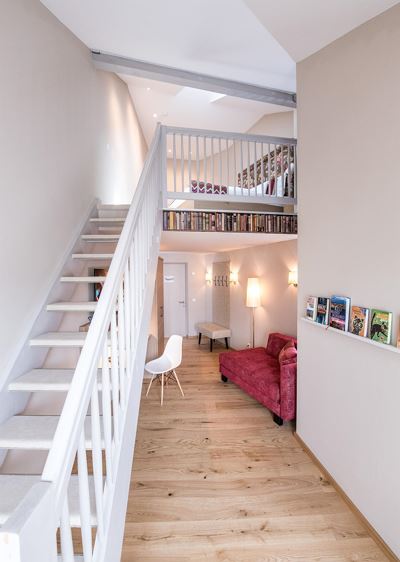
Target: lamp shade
column 292, row 280
column 253, row 297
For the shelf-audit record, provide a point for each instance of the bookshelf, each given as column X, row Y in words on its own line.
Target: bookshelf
column 386, row 347
column 229, row 221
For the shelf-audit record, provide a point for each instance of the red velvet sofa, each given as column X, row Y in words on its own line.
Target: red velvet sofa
column 267, row 374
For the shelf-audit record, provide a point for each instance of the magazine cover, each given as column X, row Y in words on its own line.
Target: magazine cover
column 359, row 321
column 311, row 310
column 323, row 310
column 340, row 312
column 381, row 326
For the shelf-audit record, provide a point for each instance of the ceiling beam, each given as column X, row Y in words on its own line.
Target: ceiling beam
column 122, row 65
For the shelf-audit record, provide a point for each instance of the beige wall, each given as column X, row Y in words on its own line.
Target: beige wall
column 348, row 391
column 280, row 124
column 278, row 313
column 68, row 133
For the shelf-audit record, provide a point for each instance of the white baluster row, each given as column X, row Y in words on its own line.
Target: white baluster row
column 116, row 358
column 204, row 164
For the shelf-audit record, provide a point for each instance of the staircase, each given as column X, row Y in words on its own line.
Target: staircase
column 64, row 481
column 65, row 477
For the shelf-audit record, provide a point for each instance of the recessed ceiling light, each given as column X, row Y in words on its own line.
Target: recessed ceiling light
column 169, row 150
column 148, row 88
column 155, row 115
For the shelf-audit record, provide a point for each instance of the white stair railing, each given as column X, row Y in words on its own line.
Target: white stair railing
column 98, row 422
column 230, row 167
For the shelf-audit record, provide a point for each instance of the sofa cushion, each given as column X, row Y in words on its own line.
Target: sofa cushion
column 254, row 367
column 244, row 361
column 288, row 354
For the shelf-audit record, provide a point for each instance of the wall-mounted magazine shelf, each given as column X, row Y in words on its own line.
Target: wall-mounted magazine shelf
column 384, row 346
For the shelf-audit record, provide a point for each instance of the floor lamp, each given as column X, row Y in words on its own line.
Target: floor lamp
column 253, row 299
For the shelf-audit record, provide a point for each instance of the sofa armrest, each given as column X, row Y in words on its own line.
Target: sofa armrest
column 288, row 378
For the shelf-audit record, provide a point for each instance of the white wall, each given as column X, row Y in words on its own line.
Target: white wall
column 278, row 313
column 348, row 392
column 198, row 306
column 68, row 133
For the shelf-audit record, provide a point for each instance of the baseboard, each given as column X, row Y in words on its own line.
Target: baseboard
column 363, row 520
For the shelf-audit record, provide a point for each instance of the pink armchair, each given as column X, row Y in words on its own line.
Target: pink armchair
column 267, row 374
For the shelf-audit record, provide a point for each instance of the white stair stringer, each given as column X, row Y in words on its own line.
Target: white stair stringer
column 14, row 487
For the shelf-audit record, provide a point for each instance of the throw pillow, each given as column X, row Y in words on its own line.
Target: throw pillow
column 287, row 353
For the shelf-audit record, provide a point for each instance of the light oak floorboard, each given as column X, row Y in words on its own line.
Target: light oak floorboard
column 215, row 480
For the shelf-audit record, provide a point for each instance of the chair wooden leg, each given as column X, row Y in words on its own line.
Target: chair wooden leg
column 150, row 383
column 162, row 388
column 179, row 384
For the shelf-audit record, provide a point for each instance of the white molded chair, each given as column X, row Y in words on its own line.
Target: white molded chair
column 164, row 367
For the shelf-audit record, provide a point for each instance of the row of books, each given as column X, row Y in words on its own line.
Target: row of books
column 338, row 313
column 220, row 221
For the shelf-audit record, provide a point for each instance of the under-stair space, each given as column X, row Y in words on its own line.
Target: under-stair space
column 27, row 437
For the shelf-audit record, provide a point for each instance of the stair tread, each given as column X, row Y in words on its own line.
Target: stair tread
column 93, row 256
column 14, row 487
column 108, row 219
column 77, row 279
column 59, row 339
column 81, row 306
column 57, row 380
column 110, row 207
column 62, row 339
column 101, row 237
column 33, row 432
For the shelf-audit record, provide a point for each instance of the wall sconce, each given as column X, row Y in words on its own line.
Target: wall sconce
column 253, row 297
column 208, row 278
column 293, row 278
column 234, row 278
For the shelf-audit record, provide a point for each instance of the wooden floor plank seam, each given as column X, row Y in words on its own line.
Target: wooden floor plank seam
column 214, row 479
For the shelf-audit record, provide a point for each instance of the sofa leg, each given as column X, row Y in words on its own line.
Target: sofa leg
column 199, row 338
column 278, row 420
column 226, row 343
column 224, row 378
column 211, row 343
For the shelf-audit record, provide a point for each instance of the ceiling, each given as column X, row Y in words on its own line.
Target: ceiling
column 188, row 107
column 212, row 242
column 313, row 24
column 253, row 41
column 250, row 41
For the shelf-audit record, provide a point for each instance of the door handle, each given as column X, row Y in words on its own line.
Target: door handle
column 181, row 302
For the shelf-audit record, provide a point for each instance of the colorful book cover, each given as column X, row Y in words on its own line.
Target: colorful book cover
column 359, row 321
column 323, row 310
column 381, row 326
column 340, row 312
column 311, row 310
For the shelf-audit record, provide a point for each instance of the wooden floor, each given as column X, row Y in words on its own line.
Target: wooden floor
column 215, row 479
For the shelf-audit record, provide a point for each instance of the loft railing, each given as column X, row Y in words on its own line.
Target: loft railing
column 232, row 167
column 99, row 418
column 40, row 529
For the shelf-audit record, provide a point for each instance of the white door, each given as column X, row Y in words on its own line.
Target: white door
column 175, row 299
